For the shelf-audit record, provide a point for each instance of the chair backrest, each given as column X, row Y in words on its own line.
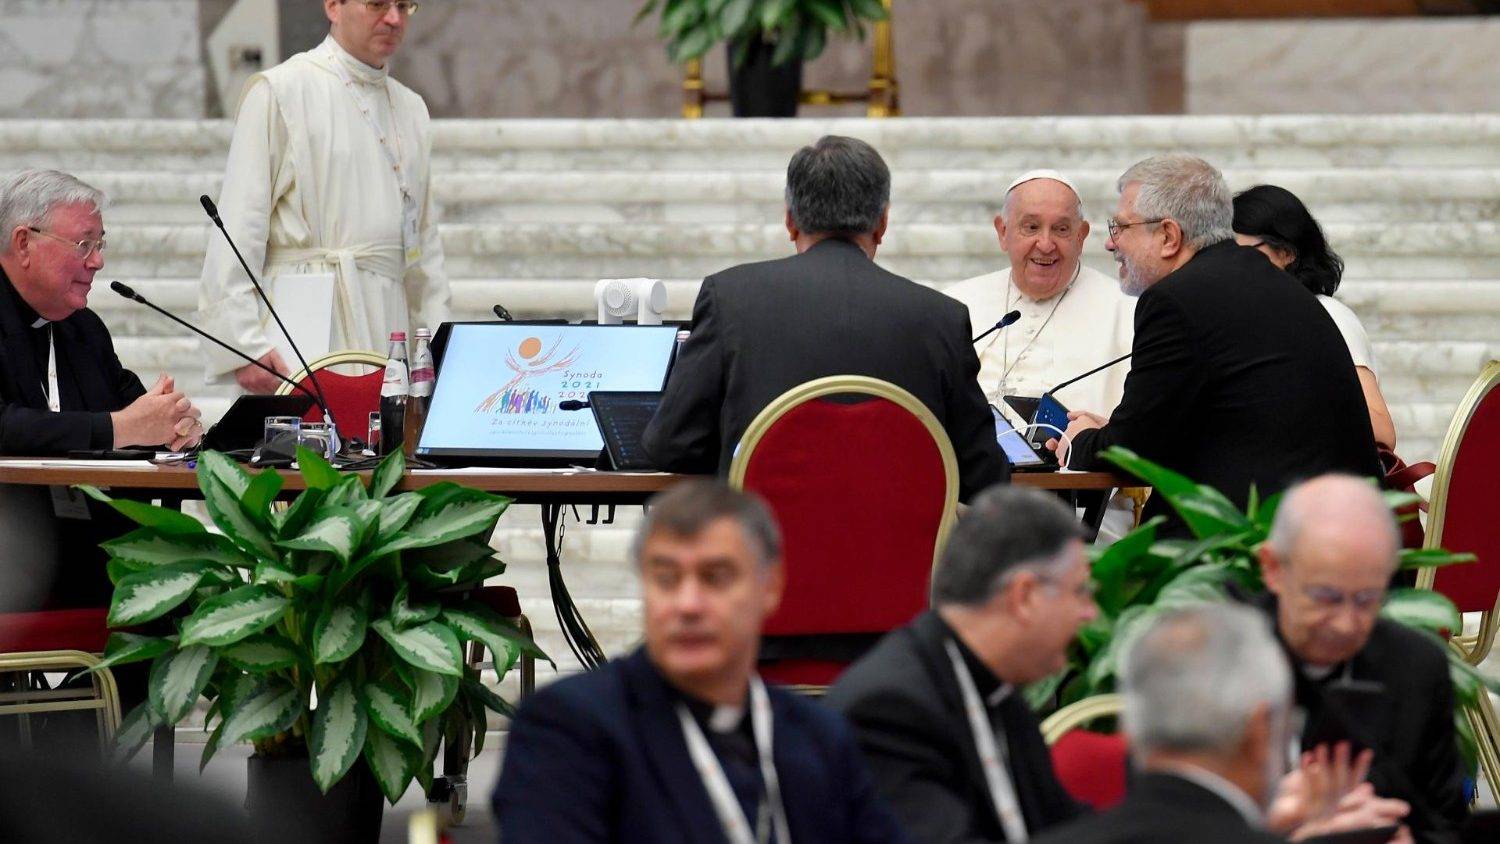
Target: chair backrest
column 1092, row 766
column 351, row 397
column 865, row 492
column 1465, row 491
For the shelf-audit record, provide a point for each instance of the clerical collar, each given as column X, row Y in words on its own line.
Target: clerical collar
column 991, row 688
column 358, row 70
column 717, row 717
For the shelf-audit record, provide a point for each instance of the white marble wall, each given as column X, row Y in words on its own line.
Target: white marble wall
column 100, row 58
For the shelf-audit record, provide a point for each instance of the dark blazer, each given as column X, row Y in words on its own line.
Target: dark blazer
column 1416, row 754
column 1239, row 377
column 601, row 757
column 761, row 329
column 91, row 383
column 1161, row 807
column 904, row 702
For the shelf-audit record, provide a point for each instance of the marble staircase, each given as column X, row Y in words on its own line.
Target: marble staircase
column 535, row 211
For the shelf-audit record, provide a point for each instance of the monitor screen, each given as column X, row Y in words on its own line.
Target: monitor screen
column 499, row 391
column 1016, row 449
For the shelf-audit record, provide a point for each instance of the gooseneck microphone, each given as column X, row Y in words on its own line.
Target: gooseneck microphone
column 1008, row 319
column 572, row 404
column 502, row 314
column 213, row 214
column 1078, row 378
column 128, row 293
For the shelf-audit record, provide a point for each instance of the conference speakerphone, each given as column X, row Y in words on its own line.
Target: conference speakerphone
column 499, row 391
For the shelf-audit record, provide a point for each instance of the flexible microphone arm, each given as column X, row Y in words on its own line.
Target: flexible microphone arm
column 1087, row 374
column 133, row 296
column 1008, row 319
column 213, row 214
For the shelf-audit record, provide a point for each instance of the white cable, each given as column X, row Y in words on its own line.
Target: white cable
column 1062, row 436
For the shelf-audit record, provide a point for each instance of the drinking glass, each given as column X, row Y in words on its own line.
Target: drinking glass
column 282, row 432
column 372, row 438
column 317, row 437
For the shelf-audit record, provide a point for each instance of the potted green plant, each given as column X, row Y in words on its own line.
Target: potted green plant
column 1141, row 576
column 329, row 633
column 767, row 42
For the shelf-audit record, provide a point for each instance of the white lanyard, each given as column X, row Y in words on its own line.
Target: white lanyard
column 54, row 399
column 731, row 814
column 1002, row 790
column 410, row 238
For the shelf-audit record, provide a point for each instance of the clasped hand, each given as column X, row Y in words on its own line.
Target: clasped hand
column 163, row 416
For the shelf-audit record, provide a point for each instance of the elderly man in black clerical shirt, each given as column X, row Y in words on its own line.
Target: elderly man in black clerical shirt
column 681, row 741
column 62, row 388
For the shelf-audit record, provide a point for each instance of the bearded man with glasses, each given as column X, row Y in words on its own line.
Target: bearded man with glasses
column 327, row 193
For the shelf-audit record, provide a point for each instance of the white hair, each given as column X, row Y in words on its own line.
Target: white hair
column 1187, row 189
column 1195, row 676
column 27, row 198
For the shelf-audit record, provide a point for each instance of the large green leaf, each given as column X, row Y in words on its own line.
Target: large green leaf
column 773, row 13
column 432, row 694
column 212, row 464
column 406, row 614
column 224, row 507
column 477, row 621
column 335, row 530
column 1426, row 558
column 1423, row 609
column 210, row 747
column 733, row 17
column 177, row 680
column 1112, row 565
column 480, row 692
column 126, row 648
column 455, row 521
column 391, row 761
column 390, row 710
column 830, row 13
column 347, row 492
column 135, row 731
column 148, row 515
column 272, row 708
column 870, row 10
column 262, row 493
column 317, row 472
column 338, row 734
column 1199, row 510
column 289, row 522
column 234, row 615
column 151, row 594
column 1202, row 584
column 148, row 547
column 395, row 513
column 259, row 654
column 338, row 632
column 431, row 646
column 346, row 574
column 387, row 474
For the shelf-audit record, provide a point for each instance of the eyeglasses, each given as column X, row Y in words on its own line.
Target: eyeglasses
column 380, row 7
column 1084, row 591
column 82, row 248
column 1116, row 227
column 1329, row 598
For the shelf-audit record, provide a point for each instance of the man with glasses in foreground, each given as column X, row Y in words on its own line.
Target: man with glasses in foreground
column 327, row 193
column 1332, row 550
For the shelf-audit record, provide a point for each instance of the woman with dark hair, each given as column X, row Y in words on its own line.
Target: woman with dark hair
column 1274, row 221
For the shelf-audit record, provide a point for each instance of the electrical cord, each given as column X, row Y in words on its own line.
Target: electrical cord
column 1064, row 440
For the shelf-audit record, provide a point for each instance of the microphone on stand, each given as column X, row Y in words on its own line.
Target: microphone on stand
column 128, row 293
column 213, row 214
column 502, row 314
column 1008, row 319
column 1078, row 378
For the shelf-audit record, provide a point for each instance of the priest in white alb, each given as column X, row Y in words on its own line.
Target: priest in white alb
column 327, row 194
column 1073, row 318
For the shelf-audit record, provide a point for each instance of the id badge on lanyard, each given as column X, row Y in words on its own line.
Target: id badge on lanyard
column 67, row 502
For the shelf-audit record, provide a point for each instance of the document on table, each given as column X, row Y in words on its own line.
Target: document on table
column 64, row 463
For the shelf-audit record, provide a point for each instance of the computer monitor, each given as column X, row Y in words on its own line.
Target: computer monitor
column 498, row 394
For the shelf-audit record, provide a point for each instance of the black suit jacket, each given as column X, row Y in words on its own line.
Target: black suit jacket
column 1161, row 807
column 601, row 757
column 1239, row 377
column 761, row 329
column 1416, row 753
column 91, row 384
column 908, row 714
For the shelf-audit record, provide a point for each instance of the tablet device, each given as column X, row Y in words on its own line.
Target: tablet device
column 1024, row 406
column 1021, row 452
column 1370, row 835
column 1353, row 711
column 243, row 425
column 499, row 394
column 1049, row 411
column 622, row 418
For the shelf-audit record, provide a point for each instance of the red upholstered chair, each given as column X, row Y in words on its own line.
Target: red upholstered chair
column 865, row 492
column 1462, row 517
column 353, row 390
column 61, row 641
column 1091, row 766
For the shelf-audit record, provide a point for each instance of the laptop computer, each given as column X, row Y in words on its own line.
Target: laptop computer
column 622, row 417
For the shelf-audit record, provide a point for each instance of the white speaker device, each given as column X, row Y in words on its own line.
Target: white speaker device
column 619, row 298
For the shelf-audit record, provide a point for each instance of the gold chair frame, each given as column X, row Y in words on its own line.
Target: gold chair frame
column 1482, row 718
column 1081, row 712
column 883, row 95
column 332, row 359
column 105, row 699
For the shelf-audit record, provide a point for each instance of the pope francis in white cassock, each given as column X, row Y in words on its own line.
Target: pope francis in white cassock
column 327, row 194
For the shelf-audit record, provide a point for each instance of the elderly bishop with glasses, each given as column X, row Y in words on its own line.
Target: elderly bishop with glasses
column 327, row 196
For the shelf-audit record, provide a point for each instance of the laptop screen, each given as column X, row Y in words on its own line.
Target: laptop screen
column 1016, row 449
column 499, row 391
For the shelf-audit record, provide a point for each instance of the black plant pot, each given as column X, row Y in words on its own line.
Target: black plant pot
column 759, row 89
column 281, row 794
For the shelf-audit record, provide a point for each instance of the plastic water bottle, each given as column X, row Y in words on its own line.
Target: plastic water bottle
column 394, row 393
column 422, row 378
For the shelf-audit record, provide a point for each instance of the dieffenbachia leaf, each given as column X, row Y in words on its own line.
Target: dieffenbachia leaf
column 262, row 653
column 391, row 711
column 177, row 680
column 391, row 761
column 338, row 734
column 224, row 506
column 431, row 646
column 125, row 648
column 387, row 474
column 160, row 519
column 334, row 530
column 432, row 694
column 135, row 731
column 232, row 616
column 407, row 614
column 147, row 547
column 338, row 632
column 477, row 621
column 272, row 708
column 150, row 594
column 455, row 521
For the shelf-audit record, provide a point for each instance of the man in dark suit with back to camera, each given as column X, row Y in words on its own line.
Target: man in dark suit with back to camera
column 1239, row 377
column 762, row 329
column 681, row 741
column 936, row 699
column 63, row 389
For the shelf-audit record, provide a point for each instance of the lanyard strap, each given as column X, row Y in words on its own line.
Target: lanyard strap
column 365, row 110
column 726, row 806
column 1002, row 790
column 54, row 398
